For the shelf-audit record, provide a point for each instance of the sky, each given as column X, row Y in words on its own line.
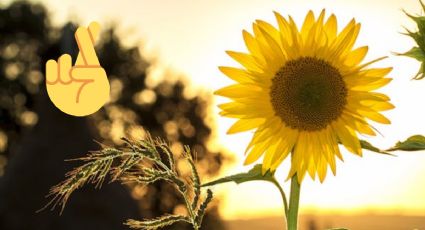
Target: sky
column 191, row 37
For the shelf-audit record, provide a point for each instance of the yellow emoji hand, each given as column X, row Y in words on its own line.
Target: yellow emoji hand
column 82, row 89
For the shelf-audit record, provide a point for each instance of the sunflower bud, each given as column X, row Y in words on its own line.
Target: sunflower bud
column 418, row 52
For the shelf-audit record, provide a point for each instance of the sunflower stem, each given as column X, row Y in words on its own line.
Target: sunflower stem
column 294, row 200
column 282, row 194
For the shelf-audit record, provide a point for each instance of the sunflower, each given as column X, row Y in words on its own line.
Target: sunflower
column 304, row 92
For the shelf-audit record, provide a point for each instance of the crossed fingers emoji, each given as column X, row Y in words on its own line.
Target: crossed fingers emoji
column 81, row 89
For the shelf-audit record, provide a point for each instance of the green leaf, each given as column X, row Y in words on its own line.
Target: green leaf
column 253, row 174
column 413, row 143
column 368, row 146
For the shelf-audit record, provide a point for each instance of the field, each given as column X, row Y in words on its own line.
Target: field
column 358, row 222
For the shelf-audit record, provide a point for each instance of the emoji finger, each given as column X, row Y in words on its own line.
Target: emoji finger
column 51, row 72
column 94, row 30
column 87, row 73
column 64, row 66
column 86, row 46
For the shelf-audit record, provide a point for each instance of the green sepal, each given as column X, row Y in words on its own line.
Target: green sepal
column 421, row 73
column 416, row 53
column 419, row 20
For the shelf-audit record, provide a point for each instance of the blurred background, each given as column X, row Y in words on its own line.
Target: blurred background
column 161, row 58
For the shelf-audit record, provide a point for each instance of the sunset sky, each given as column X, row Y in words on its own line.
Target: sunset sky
column 190, row 36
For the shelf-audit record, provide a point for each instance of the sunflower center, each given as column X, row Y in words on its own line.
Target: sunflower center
column 308, row 93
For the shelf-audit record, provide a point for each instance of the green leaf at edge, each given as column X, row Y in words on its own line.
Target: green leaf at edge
column 368, row 146
column 252, row 175
column 413, row 143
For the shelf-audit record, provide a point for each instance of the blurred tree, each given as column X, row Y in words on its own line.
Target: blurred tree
column 36, row 138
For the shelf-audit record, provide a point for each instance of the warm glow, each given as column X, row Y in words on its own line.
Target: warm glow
column 191, row 37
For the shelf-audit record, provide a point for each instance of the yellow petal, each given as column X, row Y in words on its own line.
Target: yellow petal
column 297, row 158
column 263, row 133
column 360, row 67
column 271, row 30
column 366, row 96
column 311, row 169
column 376, row 72
column 331, row 28
column 276, row 50
column 270, row 152
column 331, row 149
column 291, row 48
column 246, row 60
column 347, row 137
column 347, row 31
column 295, row 36
column 244, row 111
column 243, row 125
column 374, row 116
column 377, row 105
column 269, row 48
column 239, row 90
column 372, row 84
column 345, row 41
column 256, row 153
column 356, row 56
column 357, row 124
column 366, row 83
column 289, row 137
column 309, row 21
column 239, row 75
column 322, row 168
column 252, row 46
column 334, row 140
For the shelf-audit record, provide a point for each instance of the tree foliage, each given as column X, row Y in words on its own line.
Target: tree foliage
column 28, row 40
